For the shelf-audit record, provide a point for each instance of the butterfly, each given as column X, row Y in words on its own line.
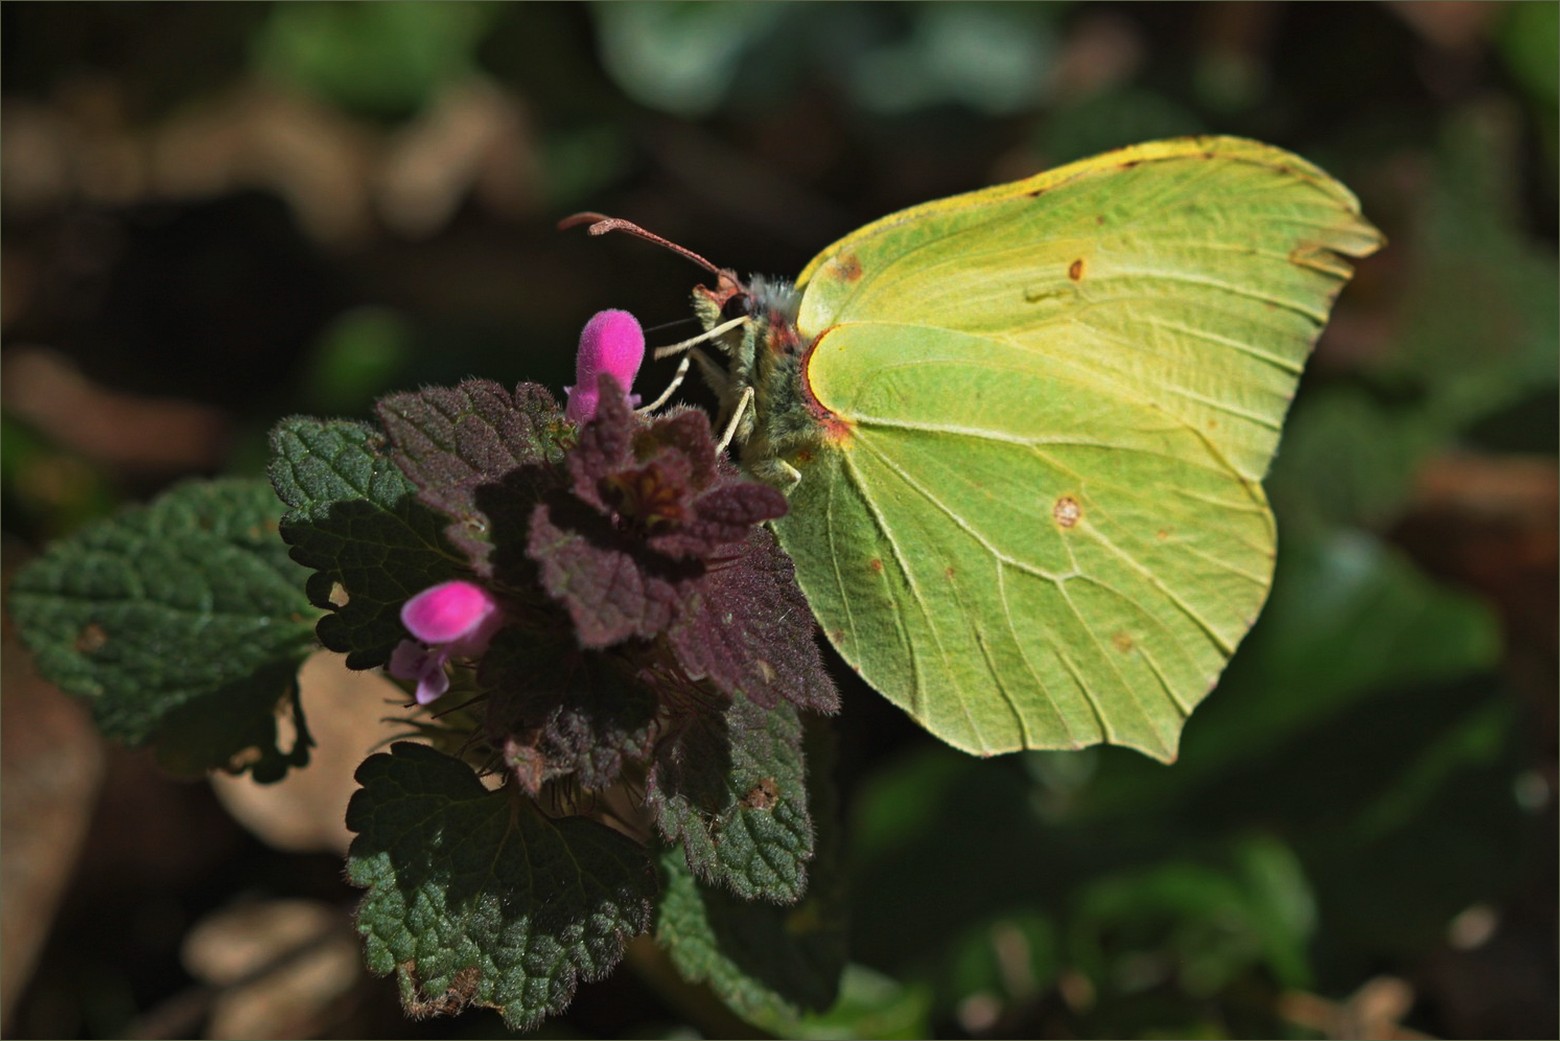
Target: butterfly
column 1023, row 431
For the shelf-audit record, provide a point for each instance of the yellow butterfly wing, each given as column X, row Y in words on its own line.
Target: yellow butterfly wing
column 1034, row 519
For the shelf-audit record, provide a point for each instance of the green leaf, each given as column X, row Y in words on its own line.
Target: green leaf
column 1352, row 614
column 1348, row 458
column 770, row 964
column 732, row 789
column 870, row 1005
column 1477, row 275
column 475, row 898
column 182, row 622
column 356, row 521
column 1472, row 273
column 1213, row 921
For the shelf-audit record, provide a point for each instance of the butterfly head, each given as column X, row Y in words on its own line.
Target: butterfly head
column 768, row 305
column 764, row 401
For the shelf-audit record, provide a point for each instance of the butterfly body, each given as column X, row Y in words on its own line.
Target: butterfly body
column 783, row 423
column 1023, row 431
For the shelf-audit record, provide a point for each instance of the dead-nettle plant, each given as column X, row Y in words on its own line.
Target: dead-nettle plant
column 586, row 612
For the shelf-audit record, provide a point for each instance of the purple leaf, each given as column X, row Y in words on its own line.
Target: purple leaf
column 480, row 455
column 748, row 629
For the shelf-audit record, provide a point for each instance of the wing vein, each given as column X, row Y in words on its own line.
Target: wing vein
column 900, row 561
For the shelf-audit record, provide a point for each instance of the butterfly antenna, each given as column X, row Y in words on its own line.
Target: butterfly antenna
column 601, row 224
column 671, row 323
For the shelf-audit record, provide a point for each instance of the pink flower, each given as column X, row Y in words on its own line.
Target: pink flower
column 611, row 343
column 452, row 619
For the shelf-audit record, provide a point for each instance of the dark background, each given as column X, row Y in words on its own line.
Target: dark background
column 217, row 214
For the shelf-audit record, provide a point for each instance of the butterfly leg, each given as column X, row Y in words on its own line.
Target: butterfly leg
column 737, row 415
column 777, row 473
column 715, row 376
column 671, row 388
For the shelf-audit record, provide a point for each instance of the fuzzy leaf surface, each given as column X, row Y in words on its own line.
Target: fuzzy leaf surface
column 611, row 592
column 182, row 621
column 556, row 710
column 475, row 898
column 770, row 964
column 654, row 537
column 731, row 788
column 356, row 521
column 749, row 629
column 482, row 456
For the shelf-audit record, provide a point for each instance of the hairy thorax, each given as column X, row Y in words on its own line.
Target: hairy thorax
column 782, row 423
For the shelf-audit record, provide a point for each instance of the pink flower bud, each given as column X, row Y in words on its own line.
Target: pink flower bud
column 611, row 343
column 448, row 612
column 452, row 619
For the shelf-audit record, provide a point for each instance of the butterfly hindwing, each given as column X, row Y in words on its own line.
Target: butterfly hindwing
column 1014, row 574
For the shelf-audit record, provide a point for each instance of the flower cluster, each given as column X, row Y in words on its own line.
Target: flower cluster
column 654, row 537
column 593, row 616
column 652, row 546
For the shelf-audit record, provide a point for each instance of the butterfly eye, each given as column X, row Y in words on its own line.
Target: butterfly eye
column 738, row 305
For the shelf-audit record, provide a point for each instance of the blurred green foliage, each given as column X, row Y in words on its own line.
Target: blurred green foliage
column 1376, row 761
column 380, row 59
column 47, row 488
column 355, row 359
column 1358, row 732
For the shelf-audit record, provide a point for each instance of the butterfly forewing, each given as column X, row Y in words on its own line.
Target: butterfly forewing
column 1193, row 279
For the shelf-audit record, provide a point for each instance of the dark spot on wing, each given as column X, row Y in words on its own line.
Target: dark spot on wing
column 1075, row 270
column 847, row 267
